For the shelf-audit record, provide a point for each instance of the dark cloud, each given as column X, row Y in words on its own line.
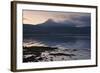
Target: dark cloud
column 79, row 21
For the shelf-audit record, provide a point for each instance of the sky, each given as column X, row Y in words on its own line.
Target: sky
column 38, row 17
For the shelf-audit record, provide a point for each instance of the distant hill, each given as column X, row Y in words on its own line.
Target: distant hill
column 52, row 23
column 52, row 27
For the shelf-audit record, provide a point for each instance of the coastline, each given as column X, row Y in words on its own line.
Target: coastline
column 46, row 54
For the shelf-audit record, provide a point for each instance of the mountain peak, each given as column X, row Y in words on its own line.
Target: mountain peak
column 53, row 23
column 50, row 21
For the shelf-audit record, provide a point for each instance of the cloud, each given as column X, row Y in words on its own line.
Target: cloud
column 81, row 20
column 37, row 17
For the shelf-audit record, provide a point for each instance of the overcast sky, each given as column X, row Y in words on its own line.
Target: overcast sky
column 37, row 17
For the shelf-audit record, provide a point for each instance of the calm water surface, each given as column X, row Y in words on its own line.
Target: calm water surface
column 60, row 41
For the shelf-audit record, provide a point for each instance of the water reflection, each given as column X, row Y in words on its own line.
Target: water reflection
column 79, row 42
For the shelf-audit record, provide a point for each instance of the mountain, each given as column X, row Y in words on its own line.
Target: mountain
column 52, row 27
column 52, row 23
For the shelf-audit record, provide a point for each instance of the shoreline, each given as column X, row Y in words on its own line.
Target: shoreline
column 46, row 54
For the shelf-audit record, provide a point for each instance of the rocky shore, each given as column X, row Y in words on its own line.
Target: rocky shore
column 46, row 54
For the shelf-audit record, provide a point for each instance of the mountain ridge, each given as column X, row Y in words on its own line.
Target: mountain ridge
column 52, row 27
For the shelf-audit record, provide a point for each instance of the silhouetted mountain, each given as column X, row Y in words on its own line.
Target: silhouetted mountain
column 52, row 27
column 52, row 23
